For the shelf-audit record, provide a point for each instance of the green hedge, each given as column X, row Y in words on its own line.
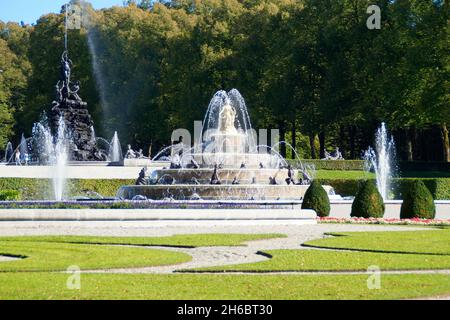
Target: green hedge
column 418, row 202
column 439, row 187
column 9, row 195
column 368, row 202
column 357, row 165
column 41, row 189
column 316, row 198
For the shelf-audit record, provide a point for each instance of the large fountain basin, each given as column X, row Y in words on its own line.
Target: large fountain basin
column 217, row 192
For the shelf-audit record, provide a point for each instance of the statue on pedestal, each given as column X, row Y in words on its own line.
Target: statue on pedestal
column 227, row 117
column 69, row 106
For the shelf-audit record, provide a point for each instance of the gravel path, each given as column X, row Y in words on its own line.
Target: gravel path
column 201, row 257
column 6, row 259
column 204, row 256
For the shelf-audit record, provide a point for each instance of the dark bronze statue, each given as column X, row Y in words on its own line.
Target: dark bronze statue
column 291, row 174
column 272, row 181
column 215, row 177
column 69, row 106
column 141, row 181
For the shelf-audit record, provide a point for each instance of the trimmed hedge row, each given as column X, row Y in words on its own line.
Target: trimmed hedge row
column 356, row 165
column 9, row 195
column 439, row 187
column 41, row 189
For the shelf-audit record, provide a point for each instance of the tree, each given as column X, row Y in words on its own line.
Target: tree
column 368, row 202
column 316, row 198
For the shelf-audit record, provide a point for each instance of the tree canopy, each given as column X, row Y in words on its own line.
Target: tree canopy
column 310, row 68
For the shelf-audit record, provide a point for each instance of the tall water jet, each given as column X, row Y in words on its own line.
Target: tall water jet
column 53, row 151
column 115, row 150
column 381, row 160
column 23, row 149
column 60, row 160
column 8, row 152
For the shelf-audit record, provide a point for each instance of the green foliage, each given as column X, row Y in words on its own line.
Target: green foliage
column 439, row 187
column 316, row 198
column 303, row 67
column 368, row 202
column 430, row 241
column 418, row 202
column 9, row 195
column 343, row 187
column 37, row 189
column 346, row 165
column 41, row 189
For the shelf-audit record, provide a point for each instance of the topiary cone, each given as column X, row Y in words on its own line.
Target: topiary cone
column 418, row 202
column 368, row 202
column 316, row 198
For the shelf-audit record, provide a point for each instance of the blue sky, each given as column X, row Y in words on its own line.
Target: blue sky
column 29, row 11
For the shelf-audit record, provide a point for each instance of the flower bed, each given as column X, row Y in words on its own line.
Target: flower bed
column 415, row 221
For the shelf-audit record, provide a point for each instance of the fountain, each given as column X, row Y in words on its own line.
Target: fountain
column 24, row 151
column 9, row 152
column 115, row 150
column 53, row 151
column 225, row 164
column 381, row 160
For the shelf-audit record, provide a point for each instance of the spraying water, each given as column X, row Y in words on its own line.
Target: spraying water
column 115, row 150
column 381, row 160
column 8, row 152
column 60, row 160
column 53, row 151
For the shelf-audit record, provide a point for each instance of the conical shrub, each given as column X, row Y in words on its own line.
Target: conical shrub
column 418, row 202
column 368, row 202
column 316, row 198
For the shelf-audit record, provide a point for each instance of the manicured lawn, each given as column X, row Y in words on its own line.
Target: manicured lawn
column 45, row 256
column 419, row 250
column 183, row 240
column 403, row 250
column 427, row 242
column 321, row 260
column 112, row 286
column 58, row 253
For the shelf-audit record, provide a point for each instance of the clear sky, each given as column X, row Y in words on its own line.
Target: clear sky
column 29, row 11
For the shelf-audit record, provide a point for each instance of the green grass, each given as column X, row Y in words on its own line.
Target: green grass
column 403, row 250
column 343, row 174
column 47, row 253
column 52, row 253
column 321, row 260
column 182, row 240
column 44, row 256
column 255, row 287
column 424, row 242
